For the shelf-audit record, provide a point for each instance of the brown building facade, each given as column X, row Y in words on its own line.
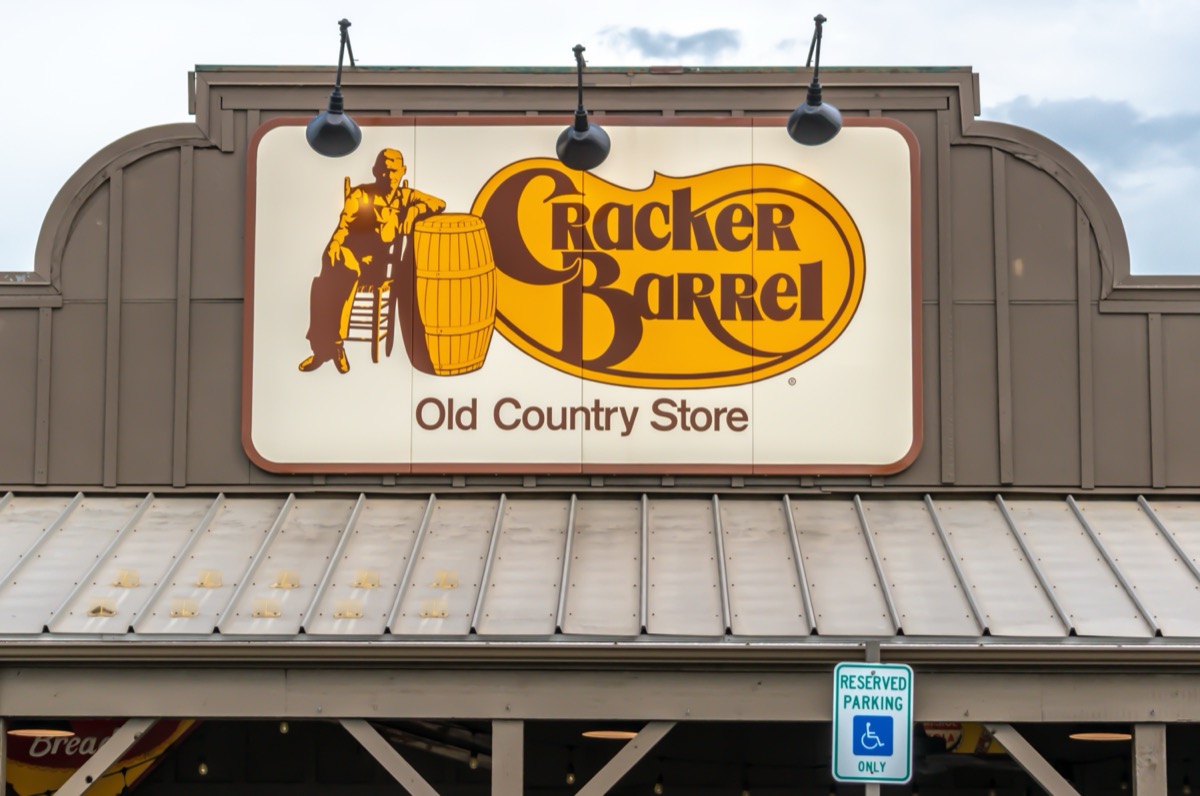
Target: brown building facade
column 1033, row 560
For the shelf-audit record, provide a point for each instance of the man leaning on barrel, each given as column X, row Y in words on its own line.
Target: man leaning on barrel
column 373, row 234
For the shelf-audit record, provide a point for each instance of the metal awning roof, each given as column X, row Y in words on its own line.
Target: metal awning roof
column 549, row 569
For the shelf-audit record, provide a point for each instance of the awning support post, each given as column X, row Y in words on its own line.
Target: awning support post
column 1031, row 760
column 630, row 754
column 4, row 748
column 508, row 758
column 125, row 736
column 1149, row 760
column 400, row 769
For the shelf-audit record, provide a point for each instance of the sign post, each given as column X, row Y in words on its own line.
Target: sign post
column 872, row 722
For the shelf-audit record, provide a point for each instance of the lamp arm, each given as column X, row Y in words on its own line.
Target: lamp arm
column 344, row 25
column 815, row 46
column 581, row 124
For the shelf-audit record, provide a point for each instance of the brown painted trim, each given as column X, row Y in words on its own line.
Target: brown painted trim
column 1122, row 305
column 468, row 468
column 41, row 430
column 183, row 316
column 112, row 353
column 37, row 297
column 1158, row 421
column 227, row 128
column 945, row 270
column 1004, row 390
column 56, row 226
column 1087, row 398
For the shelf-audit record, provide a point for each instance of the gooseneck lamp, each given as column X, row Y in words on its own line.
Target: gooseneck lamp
column 815, row 122
column 582, row 146
column 332, row 133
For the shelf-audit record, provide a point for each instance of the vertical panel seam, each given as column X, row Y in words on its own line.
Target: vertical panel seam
column 411, row 564
column 980, row 618
column 1087, row 418
column 1158, row 432
column 645, row 588
column 250, row 571
column 1130, row 591
column 180, row 557
column 493, row 543
column 183, row 316
column 334, row 558
column 41, row 423
column 1184, row 558
column 945, row 267
column 805, row 597
column 86, row 578
column 112, row 353
column 1004, row 390
column 1032, row 561
column 566, row 567
column 884, row 587
column 723, row 576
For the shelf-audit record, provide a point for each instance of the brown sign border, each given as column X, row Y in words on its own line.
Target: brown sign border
column 479, row 468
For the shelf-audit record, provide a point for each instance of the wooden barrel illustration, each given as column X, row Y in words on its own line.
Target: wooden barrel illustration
column 456, row 290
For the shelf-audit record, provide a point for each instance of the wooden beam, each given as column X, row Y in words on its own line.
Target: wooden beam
column 543, row 694
column 508, row 758
column 400, row 769
column 622, row 761
column 1149, row 760
column 1019, row 749
column 103, row 758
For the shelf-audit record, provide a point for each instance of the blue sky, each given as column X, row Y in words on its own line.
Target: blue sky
column 1111, row 80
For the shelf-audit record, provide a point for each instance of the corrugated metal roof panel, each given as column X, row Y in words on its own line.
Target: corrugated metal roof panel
column 523, row 588
column 365, row 578
column 1005, row 587
column 845, row 590
column 926, row 590
column 122, row 584
column 1163, row 583
column 284, row 579
column 441, row 593
column 24, row 520
column 604, row 577
column 764, row 584
column 47, row 576
column 201, row 587
column 1083, row 582
column 683, row 596
column 689, row 567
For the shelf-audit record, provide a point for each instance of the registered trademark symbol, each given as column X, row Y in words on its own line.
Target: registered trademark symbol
column 792, row 382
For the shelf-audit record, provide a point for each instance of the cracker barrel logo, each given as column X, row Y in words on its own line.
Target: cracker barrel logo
column 720, row 278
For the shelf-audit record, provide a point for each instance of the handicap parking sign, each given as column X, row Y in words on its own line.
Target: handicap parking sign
column 872, row 722
column 873, row 736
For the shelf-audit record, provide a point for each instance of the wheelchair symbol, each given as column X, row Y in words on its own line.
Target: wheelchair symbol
column 873, row 736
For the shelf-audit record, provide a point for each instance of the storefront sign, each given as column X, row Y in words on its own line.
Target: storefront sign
column 713, row 298
column 41, row 765
column 872, row 722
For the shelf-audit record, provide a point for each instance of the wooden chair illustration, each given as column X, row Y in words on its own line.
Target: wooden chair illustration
column 370, row 316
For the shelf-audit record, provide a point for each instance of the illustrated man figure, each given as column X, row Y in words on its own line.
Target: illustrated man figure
column 372, row 241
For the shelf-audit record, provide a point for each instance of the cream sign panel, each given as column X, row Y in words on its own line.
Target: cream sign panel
column 713, row 298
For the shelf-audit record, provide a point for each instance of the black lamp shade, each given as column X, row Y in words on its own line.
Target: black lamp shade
column 813, row 125
column 584, row 148
column 815, row 122
column 331, row 132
